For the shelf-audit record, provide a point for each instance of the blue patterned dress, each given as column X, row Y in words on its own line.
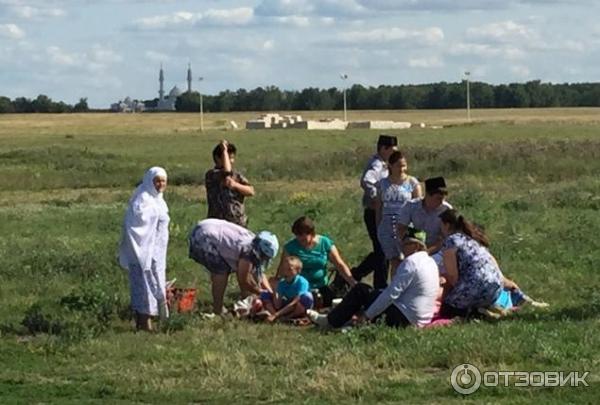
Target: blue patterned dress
column 480, row 280
column 393, row 198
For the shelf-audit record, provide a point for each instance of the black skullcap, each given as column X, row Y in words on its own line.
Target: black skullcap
column 387, row 140
column 435, row 184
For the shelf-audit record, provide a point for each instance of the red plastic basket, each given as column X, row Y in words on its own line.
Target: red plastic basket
column 182, row 299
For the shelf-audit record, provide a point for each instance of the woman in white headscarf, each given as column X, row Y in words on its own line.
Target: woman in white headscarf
column 143, row 250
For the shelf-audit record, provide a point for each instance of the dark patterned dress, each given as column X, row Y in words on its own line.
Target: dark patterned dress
column 480, row 280
column 224, row 203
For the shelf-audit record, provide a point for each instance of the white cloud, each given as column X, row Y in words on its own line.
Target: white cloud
column 572, row 71
column 154, row 56
column 187, row 19
column 242, row 64
column 447, row 6
column 428, row 36
column 575, row 46
column 433, row 5
column 426, row 63
column 521, row 71
column 60, row 57
column 301, row 21
column 32, row 12
column 97, row 59
column 503, row 32
column 325, row 8
column 347, row 8
column 176, row 19
column 513, row 40
column 11, row 31
column 6, row 54
column 293, row 20
column 508, row 52
column 281, row 8
column 268, row 45
column 104, row 55
column 234, row 16
column 559, row 45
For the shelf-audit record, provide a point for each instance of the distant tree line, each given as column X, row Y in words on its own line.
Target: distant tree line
column 411, row 96
column 40, row 104
column 421, row 96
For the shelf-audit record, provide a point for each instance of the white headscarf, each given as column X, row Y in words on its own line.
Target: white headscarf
column 146, row 208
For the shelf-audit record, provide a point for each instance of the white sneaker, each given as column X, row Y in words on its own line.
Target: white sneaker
column 538, row 304
column 318, row 319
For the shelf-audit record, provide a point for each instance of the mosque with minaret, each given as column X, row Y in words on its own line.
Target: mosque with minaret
column 165, row 102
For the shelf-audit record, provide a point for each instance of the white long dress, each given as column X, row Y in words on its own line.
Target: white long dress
column 143, row 248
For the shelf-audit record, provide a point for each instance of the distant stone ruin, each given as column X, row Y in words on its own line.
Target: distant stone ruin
column 276, row 121
column 378, row 125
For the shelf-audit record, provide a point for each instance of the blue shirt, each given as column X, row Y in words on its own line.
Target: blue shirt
column 289, row 291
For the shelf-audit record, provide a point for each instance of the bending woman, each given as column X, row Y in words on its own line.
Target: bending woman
column 315, row 251
column 143, row 248
column 223, row 248
column 472, row 274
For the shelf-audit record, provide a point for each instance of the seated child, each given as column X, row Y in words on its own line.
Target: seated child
column 292, row 296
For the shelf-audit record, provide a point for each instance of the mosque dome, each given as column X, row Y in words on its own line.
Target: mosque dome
column 175, row 92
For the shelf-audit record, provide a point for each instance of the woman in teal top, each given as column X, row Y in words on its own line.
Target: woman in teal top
column 315, row 251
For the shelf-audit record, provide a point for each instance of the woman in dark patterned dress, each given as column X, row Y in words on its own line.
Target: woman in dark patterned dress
column 473, row 277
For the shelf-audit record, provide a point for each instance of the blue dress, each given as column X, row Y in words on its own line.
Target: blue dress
column 480, row 280
column 393, row 198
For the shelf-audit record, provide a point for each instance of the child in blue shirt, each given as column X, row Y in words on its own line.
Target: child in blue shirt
column 292, row 296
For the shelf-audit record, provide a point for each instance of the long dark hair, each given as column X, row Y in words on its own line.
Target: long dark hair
column 459, row 223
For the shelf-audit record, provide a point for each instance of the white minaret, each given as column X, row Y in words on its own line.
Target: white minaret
column 161, row 80
column 189, row 77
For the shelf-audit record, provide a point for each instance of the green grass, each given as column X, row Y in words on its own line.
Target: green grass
column 65, row 332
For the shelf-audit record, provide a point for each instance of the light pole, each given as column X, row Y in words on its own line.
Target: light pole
column 344, row 77
column 467, row 74
column 201, row 107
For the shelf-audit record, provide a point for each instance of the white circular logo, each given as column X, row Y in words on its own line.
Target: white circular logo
column 465, row 379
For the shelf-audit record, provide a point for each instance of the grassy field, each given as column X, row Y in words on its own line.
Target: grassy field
column 531, row 176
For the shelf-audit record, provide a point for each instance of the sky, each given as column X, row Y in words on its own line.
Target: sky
column 106, row 50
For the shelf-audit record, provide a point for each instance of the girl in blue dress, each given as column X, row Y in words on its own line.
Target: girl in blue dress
column 393, row 194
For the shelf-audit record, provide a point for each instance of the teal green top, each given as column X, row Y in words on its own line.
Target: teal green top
column 314, row 261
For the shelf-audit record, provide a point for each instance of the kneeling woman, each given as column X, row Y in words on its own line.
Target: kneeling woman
column 473, row 278
column 143, row 249
column 223, row 248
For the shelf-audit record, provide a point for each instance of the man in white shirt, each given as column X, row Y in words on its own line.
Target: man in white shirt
column 408, row 300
